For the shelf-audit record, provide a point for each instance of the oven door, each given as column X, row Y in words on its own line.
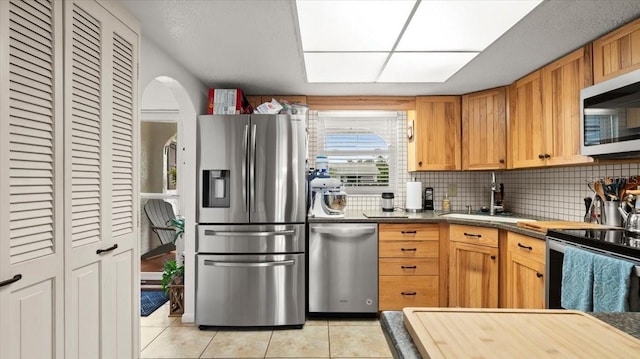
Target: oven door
column 553, row 273
column 553, row 269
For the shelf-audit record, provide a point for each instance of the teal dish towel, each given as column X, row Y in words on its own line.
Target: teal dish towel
column 611, row 278
column 577, row 280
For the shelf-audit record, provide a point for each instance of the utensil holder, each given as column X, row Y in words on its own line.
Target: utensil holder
column 611, row 215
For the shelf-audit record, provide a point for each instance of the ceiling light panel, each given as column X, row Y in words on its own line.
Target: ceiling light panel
column 343, row 67
column 424, row 66
column 462, row 25
column 351, row 25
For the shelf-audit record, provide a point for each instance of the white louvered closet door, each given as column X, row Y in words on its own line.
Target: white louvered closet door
column 101, row 184
column 31, row 182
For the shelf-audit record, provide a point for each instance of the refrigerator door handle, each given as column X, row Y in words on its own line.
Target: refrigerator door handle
column 245, row 140
column 288, row 262
column 289, row 232
column 252, row 168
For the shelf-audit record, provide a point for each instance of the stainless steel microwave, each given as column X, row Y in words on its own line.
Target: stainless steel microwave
column 610, row 118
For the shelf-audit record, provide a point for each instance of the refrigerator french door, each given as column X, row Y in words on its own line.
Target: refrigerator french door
column 250, row 248
column 251, row 169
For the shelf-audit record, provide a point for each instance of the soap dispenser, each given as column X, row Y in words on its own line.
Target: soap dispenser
column 446, row 203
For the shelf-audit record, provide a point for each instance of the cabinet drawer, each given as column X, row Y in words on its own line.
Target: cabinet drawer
column 528, row 246
column 408, row 231
column 397, row 292
column 474, row 235
column 409, row 249
column 408, row 266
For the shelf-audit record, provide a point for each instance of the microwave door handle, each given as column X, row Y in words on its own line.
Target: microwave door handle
column 245, row 144
column 252, row 168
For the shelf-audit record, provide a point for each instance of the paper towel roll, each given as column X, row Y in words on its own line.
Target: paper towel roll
column 414, row 197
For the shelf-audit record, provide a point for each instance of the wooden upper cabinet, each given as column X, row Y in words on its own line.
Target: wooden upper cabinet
column 257, row 100
column 254, row 101
column 526, row 125
column 544, row 113
column 435, row 141
column 562, row 81
column 290, row 99
column 484, row 135
column 617, row 52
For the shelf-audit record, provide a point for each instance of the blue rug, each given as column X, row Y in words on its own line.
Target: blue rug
column 150, row 301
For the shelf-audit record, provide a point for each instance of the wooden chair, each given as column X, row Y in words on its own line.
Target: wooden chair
column 160, row 214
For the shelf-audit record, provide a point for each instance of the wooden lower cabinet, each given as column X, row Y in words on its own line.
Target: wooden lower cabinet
column 473, row 276
column 473, row 267
column 397, row 292
column 409, row 266
column 525, row 265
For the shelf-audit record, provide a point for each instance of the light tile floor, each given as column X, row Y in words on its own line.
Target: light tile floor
column 165, row 337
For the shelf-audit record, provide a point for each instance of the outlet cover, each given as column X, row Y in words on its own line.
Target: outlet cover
column 453, row 189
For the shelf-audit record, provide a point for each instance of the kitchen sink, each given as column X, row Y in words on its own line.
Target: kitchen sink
column 486, row 217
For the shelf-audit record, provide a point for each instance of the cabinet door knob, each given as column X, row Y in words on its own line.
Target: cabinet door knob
column 420, row 163
column 546, row 155
column 539, row 275
column 501, row 161
column 493, row 258
column 541, row 156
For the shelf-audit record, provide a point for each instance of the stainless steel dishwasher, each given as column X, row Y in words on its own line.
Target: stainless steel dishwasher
column 343, row 268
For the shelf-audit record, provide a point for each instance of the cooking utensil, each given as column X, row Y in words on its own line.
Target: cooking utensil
column 587, row 204
column 599, row 190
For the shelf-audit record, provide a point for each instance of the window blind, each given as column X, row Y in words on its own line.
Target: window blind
column 360, row 147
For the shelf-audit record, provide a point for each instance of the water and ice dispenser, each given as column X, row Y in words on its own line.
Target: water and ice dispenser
column 215, row 189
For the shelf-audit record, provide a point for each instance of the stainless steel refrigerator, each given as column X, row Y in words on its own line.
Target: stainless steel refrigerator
column 250, row 246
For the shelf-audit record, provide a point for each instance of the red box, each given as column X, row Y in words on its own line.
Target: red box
column 228, row 102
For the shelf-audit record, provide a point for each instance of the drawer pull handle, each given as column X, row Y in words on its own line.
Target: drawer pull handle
column 408, row 232
column 525, row 247
column 408, row 267
column 15, row 278
column 472, row 235
column 408, row 293
column 539, row 275
column 100, row 251
column 408, row 249
column 493, row 258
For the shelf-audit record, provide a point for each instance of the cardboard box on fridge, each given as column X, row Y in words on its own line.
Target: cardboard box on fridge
column 228, row 102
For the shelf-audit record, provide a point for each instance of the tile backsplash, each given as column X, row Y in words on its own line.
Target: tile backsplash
column 556, row 193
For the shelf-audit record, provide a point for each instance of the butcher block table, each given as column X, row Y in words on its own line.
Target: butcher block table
column 515, row 333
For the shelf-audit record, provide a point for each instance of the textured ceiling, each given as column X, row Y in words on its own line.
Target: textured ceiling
column 255, row 45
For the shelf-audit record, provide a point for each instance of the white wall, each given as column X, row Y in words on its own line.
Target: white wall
column 191, row 97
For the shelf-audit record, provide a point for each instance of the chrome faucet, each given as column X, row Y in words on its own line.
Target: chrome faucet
column 492, row 205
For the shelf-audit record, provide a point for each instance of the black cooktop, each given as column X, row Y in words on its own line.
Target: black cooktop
column 612, row 240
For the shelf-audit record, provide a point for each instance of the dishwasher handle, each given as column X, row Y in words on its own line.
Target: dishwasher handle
column 343, row 232
column 288, row 262
column 289, row 232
